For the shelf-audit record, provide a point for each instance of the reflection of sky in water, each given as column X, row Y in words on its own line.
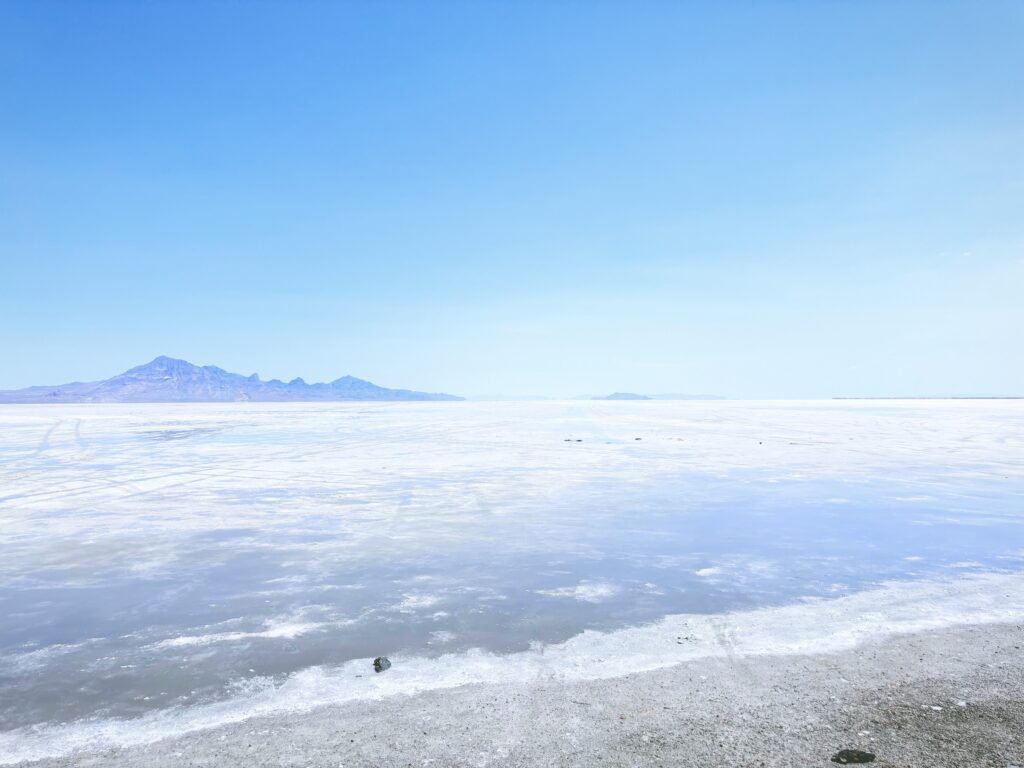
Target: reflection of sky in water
column 236, row 603
column 93, row 629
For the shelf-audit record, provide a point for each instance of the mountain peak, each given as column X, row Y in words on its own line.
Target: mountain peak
column 163, row 363
column 164, row 360
column 351, row 381
column 160, row 367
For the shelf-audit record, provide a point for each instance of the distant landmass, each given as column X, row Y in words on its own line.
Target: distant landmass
column 166, row 380
column 623, row 396
column 935, row 397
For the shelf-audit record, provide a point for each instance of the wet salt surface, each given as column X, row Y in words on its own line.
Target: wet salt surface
column 143, row 572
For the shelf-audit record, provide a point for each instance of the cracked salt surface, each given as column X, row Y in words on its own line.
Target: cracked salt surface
column 255, row 561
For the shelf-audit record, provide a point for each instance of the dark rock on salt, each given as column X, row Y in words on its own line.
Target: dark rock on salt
column 845, row 756
column 381, row 663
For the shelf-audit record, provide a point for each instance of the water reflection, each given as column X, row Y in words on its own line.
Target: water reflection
column 228, row 604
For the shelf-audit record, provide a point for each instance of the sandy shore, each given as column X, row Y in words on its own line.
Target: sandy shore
column 953, row 697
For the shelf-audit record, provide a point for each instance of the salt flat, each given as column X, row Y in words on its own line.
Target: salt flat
column 174, row 567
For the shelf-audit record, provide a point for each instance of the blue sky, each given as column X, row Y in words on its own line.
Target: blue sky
column 787, row 199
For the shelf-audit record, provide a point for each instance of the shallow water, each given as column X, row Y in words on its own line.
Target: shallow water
column 169, row 555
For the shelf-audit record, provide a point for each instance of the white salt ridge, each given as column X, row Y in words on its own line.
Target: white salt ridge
column 29, row 661
column 713, row 571
column 273, row 632
column 825, row 626
column 413, row 603
column 585, row 591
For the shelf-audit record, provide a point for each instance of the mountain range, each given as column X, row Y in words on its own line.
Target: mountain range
column 167, row 380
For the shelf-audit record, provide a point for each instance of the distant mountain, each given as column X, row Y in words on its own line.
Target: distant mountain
column 623, row 396
column 166, row 380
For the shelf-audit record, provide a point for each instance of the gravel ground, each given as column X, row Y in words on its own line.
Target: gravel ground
column 949, row 698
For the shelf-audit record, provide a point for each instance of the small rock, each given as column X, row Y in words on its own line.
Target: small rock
column 845, row 756
column 381, row 663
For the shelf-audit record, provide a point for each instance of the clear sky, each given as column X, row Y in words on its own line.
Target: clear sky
column 792, row 199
